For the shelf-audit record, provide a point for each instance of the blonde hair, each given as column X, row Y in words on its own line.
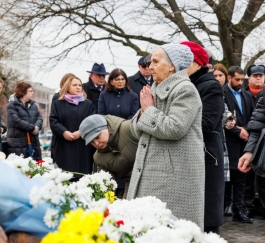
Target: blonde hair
column 66, row 87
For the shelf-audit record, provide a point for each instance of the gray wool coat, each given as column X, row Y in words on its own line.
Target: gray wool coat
column 170, row 157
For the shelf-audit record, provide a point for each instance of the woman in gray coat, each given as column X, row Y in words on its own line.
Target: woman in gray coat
column 170, row 158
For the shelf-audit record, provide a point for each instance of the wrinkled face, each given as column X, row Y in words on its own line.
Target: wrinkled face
column 236, row 81
column 145, row 70
column 75, row 87
column 118, row 82
column 219, row 76
column 101, row 141
column 160, row 67
column 256, row 80
column 29, row 95
column 98, row 79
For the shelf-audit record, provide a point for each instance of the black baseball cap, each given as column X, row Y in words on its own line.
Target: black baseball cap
column 255, row 69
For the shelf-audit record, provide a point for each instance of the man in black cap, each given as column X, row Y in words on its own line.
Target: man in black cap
column 255, row 81
column 142, row 77
column 95, row 83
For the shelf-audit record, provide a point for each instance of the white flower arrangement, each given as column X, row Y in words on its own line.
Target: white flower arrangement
column 64, row 196
column 28, row 166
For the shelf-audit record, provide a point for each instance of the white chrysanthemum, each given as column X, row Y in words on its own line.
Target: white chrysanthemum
column 162, row 234
column 100, row 205
column 35, row 196
column 63, row 176
column 141, row 214
column 211, row 237
column 2, row 156
column 50, row 218
column 110, row 230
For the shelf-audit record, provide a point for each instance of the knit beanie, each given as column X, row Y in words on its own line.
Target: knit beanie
column 200, row 55
column 180, row 55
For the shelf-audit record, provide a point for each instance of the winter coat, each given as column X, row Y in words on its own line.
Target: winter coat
column 92, row 92
column 121, row 103
column 2, row 125
column 170, row 158
column 235, row 144
column 20, row 120
column 137, row 82
column 72, row 156
column 119, row 155
column 256, row 124
column 211, row 95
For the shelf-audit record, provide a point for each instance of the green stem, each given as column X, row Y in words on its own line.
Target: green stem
column 77, row 173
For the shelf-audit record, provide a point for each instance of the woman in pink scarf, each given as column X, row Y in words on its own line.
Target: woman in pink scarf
column 67, row 113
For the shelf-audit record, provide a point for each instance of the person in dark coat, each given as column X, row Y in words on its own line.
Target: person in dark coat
column 256, row 75
column 255, row 126
column 72, row 107
column 118, row 98
column 23, row 117
column 96, row 83
column 56, row 97
column 211, row 95
column 220, row 73
column 142, row 77
column 240, row 103
column 2, row 124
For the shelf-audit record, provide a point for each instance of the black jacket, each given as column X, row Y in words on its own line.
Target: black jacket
column 72, row 156
column 256, row 124
column 2, row 125
column 121, row 103
column 92, row 92
column 235, row 145
column 137, row 82
column 20, row 120
column 211, row 95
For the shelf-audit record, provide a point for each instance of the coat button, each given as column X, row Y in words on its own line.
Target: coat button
column 167, row 89
column 153, row 122
column 143, row 144
column 139, row 170
column 118, row 106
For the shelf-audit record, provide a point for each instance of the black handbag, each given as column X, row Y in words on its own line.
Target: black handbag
column 258, row 158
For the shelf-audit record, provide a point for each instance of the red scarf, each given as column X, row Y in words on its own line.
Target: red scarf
column 253, row 90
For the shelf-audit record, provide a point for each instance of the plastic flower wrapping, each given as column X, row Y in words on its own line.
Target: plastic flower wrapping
column 46, row 204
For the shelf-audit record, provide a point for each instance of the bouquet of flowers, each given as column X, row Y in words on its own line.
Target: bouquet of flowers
column 63, row 196
column 127, row 222
column 28, row 166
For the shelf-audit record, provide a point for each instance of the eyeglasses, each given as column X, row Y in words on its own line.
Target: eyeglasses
column 119, row 79
column 145, row 65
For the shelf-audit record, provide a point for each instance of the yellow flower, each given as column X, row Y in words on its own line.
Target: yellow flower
column 78, row 227
column 110, row 196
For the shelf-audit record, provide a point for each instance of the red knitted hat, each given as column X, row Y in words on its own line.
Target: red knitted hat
column 200, row 55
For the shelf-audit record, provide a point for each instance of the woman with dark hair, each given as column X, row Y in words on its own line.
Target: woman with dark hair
column 23, row 117
column 67, row 113
column 118, row 98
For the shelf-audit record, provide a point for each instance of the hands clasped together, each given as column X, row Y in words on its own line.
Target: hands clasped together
column 146, row 98
column 71, row 136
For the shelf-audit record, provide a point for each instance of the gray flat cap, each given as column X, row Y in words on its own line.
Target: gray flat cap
column 92, row 126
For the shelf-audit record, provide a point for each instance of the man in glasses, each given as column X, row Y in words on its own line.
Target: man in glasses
column 95, row 83
column 142, row 77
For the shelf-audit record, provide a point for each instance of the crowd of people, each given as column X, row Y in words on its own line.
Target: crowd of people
column 177, row 130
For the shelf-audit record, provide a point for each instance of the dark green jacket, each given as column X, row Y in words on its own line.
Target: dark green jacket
column 119, row 155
